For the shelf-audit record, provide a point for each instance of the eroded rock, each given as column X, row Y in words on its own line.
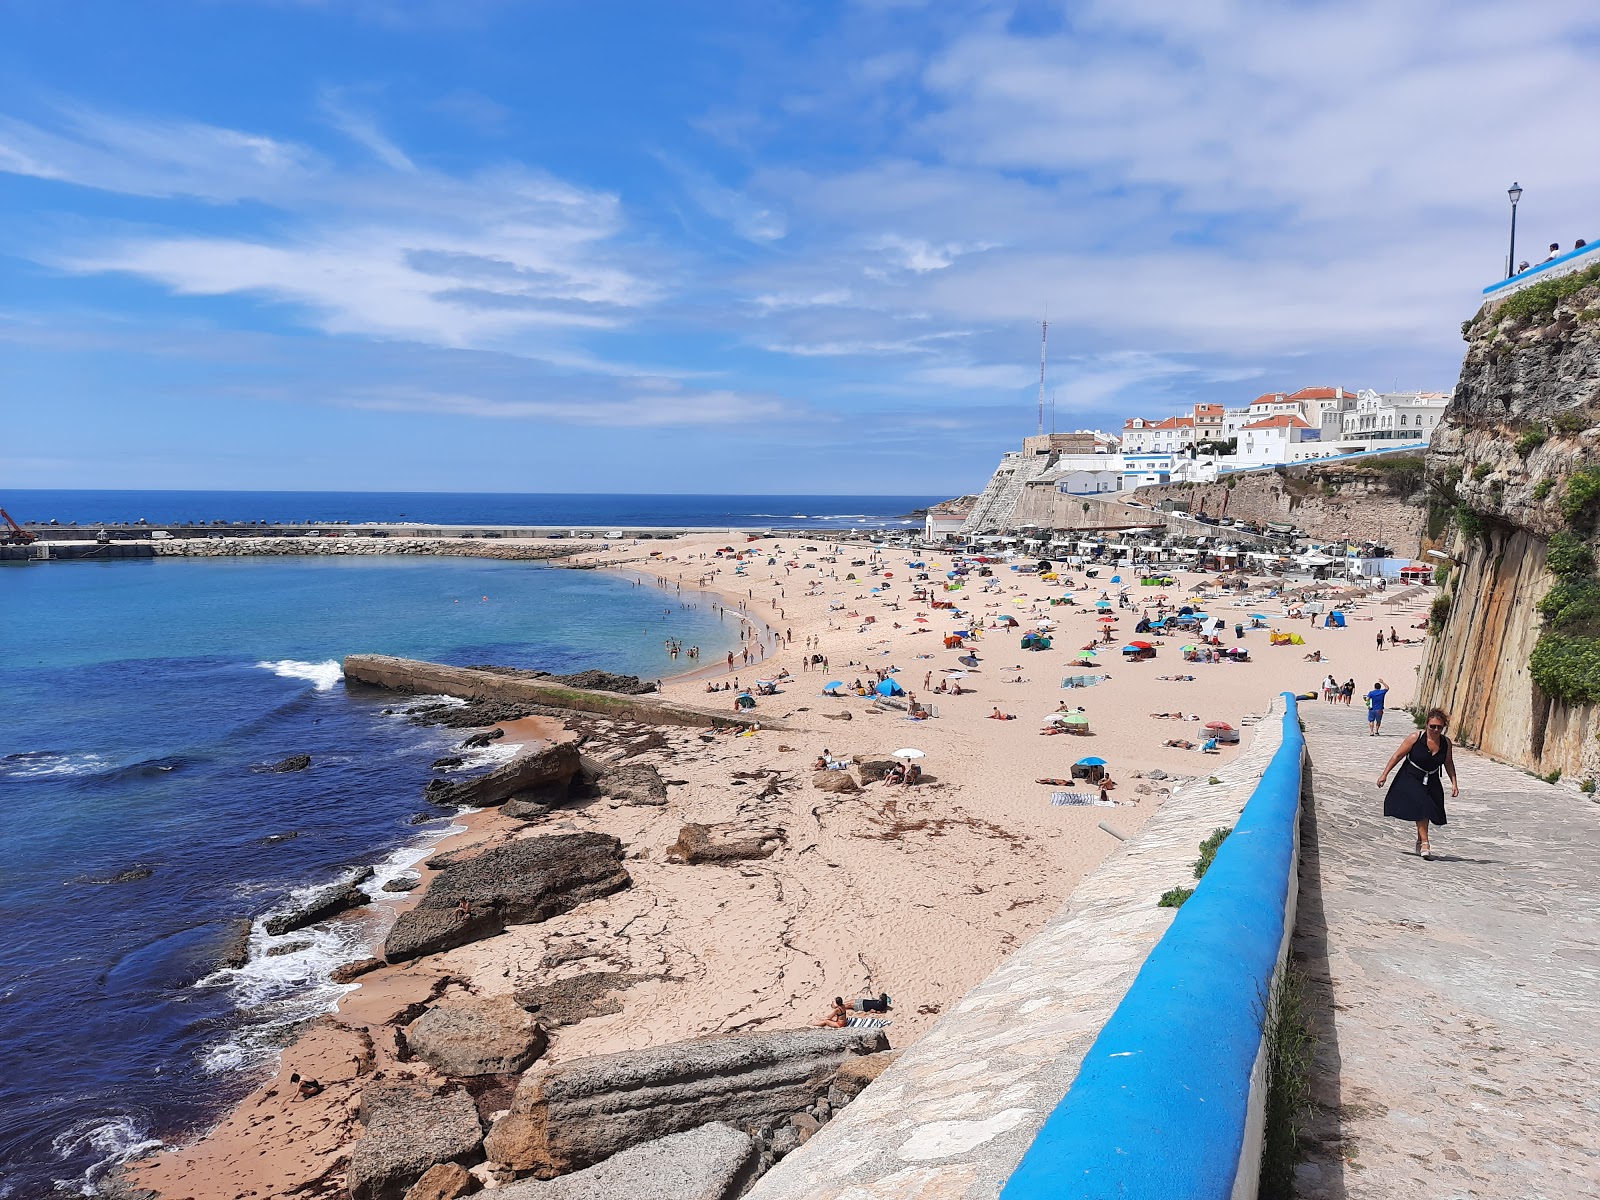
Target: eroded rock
column 634, row 783
column 568, row 1001
column 518, row 883
column 408, row 1130
column 713, row 1162
column 442, row 1181
column 321, row 904
column 570, row 1115
column 839, row 782
column 545, row 774
column 711, row 843
column 476, row 1036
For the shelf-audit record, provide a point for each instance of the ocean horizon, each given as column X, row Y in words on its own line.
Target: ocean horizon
column 577, row 509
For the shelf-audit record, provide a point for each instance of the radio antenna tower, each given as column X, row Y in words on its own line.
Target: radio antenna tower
column 1044, row 338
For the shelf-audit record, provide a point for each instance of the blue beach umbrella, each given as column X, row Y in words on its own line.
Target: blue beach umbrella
column 1259, row 617
column 1091, row 762
column 834, row 686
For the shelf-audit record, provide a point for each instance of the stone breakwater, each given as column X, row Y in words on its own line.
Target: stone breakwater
column 268, row 546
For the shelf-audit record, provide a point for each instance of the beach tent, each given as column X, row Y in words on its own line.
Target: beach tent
column 745, row 700
column 890, row 687
column 1336, row 620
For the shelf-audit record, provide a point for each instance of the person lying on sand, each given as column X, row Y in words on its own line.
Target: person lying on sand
column 1057, row 782
column 997, row 715
column 1172, row 716
column 1180, row 743
column 838, row 1018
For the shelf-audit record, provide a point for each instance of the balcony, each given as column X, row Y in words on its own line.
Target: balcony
column 1562, row 264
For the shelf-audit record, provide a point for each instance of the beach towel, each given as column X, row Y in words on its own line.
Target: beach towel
column 1079, row 800
column 869, row 1022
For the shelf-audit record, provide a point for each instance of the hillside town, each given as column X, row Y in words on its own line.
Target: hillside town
column 1201, row 446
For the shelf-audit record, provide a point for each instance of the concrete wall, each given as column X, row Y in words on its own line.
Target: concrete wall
column 959, row 1110
column 436, row 679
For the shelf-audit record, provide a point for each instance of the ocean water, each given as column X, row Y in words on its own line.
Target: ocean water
column 141, row 699
column 472, row 508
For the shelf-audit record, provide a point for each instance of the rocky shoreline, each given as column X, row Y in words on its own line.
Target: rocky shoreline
column 236, row 547
column 425, row 1087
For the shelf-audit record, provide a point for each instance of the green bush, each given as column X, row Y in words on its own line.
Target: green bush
column 1208, row 851
column 1573, row 605
column 1553, row 777
column 1468, row 521
column 1539, row 301
column 1587, row 787
column 1529, row 441
column 1582, row 490
column 1542, row 489
column 1439, row 613
column 1574, row 420
column 1174, row 897
column 1568, row 556
column 1290, row 1050
column 1481, row 472
column 1567, row 667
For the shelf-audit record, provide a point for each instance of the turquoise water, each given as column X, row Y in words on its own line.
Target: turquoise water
column 141, row 699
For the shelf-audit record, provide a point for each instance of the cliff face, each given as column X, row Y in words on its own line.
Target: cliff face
column 1517, row 462
column 1383, row 501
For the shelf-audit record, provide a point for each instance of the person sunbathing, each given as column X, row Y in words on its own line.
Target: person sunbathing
column 1180, row 743
column 997, row 715
column 838, row 1018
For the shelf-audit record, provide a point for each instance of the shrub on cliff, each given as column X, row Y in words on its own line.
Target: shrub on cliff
column 1538, row 303
column 1573, row 605
column 1439, row 613
column 1583, row 489
column 1568, row 557
column 1567, row 668
column 1530, row 440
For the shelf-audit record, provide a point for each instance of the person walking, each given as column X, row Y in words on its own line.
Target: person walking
column 1416, row 794
column 1347, row 690
column 1375, row 701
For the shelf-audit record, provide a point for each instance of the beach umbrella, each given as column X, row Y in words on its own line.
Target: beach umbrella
column 1102, row 604
column 921, row 620
column 1056, row 719
column 1089, row 650
column 837, row 683
column 956, row 674
column 909, row 752
column 1108, row 620
column 1075, row 719
column 1142, row 645
column 1185, row 649
column 1091, row 762
column 970, row 659
column 1259, row 617
column 1044, row 623
column 1218, row 725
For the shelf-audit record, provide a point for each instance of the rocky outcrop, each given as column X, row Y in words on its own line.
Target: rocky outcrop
column 541, row 777
column 633, row 783
column 568, row 1001
column 567, row 1116
column 853, row 1075
column 350, row 972
column 409, row 675
column 445, row 1181
column 1516, row 470
column 714, row 843
column 321, row 904
column 295, row 762
column 476, row 1036
column 408, row 1130
column 236, row 950
column 839, row 782
column 521, row 882
column 713, row 1162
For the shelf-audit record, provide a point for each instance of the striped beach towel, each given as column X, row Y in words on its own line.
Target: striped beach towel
column 869, row 1022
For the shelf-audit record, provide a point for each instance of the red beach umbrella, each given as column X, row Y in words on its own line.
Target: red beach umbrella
column 1219, row 725
column 1142, row 645
column 1108, row 620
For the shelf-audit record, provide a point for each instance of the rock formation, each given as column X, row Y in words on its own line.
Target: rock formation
column 540, row 777
column 566, row 1116
column 713, row 1162
column 489, row 1035
column 1516, row 465
column 323, row 903
column 408, row 1130
column 713, row 843
column 518, row 883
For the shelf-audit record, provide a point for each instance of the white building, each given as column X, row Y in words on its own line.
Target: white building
column 1378, row 419
column 1089, row 483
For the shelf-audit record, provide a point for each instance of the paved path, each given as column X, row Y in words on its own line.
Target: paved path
column 1459, row 999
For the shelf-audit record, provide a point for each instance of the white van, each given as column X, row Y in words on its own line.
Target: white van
column 160, row 535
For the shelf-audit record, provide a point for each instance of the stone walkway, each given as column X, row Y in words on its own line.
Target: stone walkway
column 1458, row 1000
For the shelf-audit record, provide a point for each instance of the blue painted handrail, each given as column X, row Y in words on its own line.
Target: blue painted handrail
column 1561, row 264
column 1159, row 1107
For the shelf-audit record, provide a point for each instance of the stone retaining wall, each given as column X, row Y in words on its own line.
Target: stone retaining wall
column 956, row 1113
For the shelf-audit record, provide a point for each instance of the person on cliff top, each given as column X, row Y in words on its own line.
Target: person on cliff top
column 1375, row 701
column 1416, row 793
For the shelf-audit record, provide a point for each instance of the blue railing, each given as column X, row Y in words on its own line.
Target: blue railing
column 1161, row 1108
column 1562, row 264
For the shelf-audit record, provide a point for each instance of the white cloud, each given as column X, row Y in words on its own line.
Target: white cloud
column 647, row 408
column 363, row 130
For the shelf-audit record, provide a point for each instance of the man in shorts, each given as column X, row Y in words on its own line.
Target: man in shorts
column 1375, row 699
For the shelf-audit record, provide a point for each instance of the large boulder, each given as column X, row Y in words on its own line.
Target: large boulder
column 567, row 1116
column 713, row 1162
column 521, row 882
column 711, row 843
column 544, row 774
column 854, row 1074
column 634, row 783
column 576, row 998
column 408, row 1130
column 841, row 782
column 488, row 1036
column 446, row 1181
column 321, row 904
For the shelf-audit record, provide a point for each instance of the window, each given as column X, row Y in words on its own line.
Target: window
column 1402, row 418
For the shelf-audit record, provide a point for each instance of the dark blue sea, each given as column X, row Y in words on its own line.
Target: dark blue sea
column 471, row 508
column 140, row 700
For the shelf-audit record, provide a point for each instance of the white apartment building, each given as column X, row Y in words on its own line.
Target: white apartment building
column 1377, row 419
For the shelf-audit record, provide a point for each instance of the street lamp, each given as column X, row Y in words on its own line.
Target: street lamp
column 1515, row 193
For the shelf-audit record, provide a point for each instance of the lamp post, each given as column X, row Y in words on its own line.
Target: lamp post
column 1515, row 193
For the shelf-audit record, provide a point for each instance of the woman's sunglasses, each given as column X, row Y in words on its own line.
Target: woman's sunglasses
column 1437, row 728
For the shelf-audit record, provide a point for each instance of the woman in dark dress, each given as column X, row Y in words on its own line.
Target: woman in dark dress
column 1416, row 793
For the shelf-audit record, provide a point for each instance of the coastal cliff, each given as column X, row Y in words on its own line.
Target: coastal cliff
column 1515, row 467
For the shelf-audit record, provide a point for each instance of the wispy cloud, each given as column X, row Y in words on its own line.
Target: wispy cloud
column 651, row 408
column 362, row 129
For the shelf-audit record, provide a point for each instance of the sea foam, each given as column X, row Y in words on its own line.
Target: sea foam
column 324, row 676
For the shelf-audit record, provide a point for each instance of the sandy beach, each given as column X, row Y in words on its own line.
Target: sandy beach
column 917, row 892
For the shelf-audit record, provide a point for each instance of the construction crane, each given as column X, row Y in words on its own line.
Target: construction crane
column 15, row 534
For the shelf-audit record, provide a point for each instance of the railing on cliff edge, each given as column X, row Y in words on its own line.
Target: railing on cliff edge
column 1563, row 264
column 1169, row 1102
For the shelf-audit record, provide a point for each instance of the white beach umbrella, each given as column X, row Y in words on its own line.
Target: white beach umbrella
column 909, row 752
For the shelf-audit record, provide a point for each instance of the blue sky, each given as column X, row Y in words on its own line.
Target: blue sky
column 553, row 246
